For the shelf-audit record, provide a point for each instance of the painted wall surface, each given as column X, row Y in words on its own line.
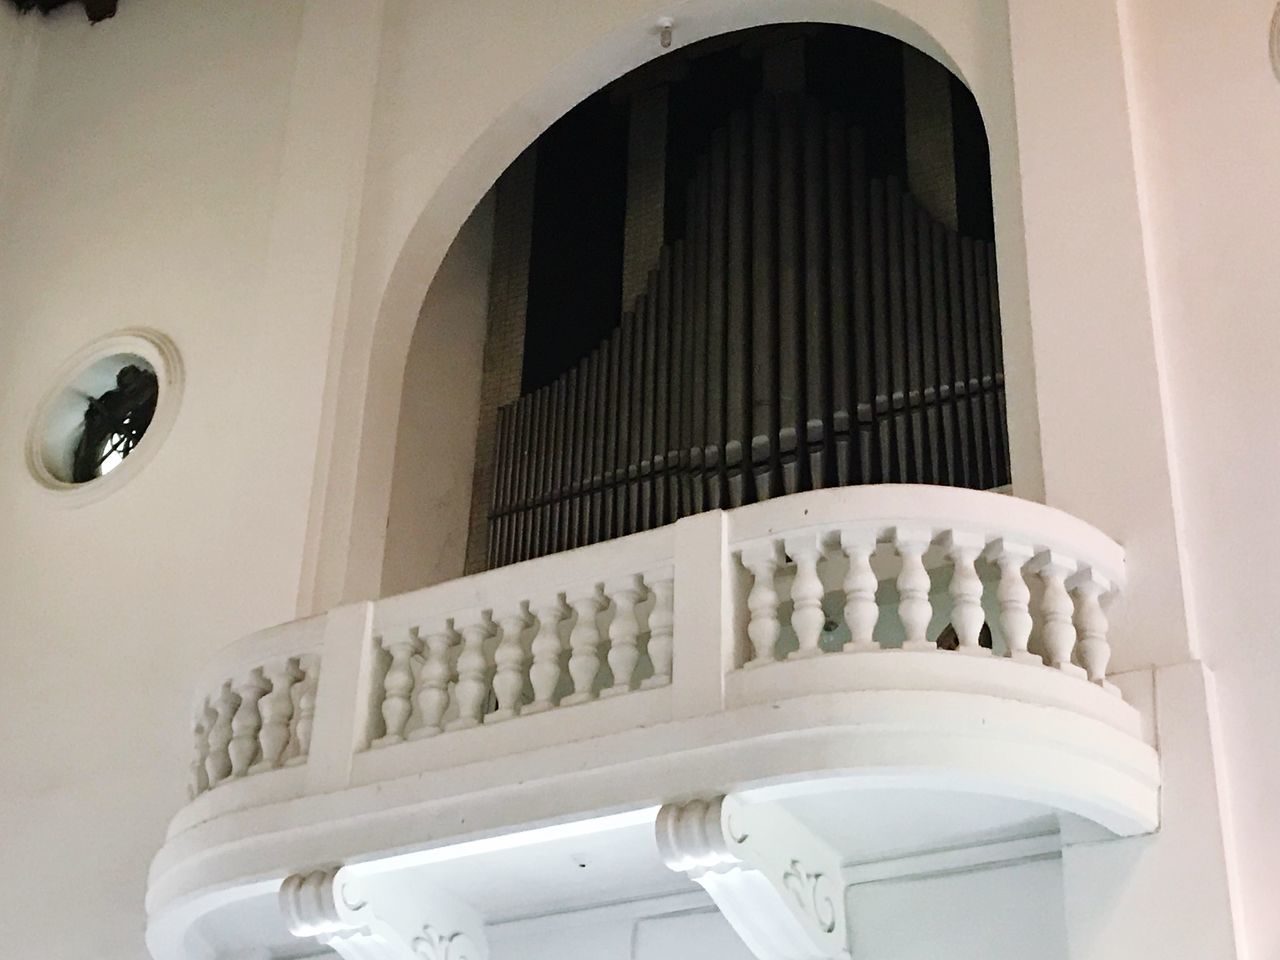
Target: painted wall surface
column 1011, row 912
column 1207, row 120
column 684, row 935
column 139, row 191
column 435, row 449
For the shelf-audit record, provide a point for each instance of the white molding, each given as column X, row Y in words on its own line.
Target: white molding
column 380, row 916
column 779, row 885
column 947, row 740
column 955, row 860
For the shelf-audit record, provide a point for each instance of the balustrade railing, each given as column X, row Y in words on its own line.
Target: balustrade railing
column 526, row 639
column 259, row 708
column 932, row 567
column 672, row 623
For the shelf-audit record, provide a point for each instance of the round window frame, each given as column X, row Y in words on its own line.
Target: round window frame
column 54, row 432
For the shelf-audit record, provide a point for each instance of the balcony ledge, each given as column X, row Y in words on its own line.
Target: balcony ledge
column 759, row 691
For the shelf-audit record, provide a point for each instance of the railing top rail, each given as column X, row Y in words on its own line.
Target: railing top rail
column 292, row 639
column 883, row 506
column 537, row 579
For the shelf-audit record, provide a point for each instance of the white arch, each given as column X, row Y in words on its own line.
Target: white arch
column 970, row 38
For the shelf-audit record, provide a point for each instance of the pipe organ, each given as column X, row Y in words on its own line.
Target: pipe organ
column 814, row 327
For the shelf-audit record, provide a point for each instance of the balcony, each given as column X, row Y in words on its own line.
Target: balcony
column 781, row 653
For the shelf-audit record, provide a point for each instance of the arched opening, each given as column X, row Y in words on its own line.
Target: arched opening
column 760, row 265
column 935, row 184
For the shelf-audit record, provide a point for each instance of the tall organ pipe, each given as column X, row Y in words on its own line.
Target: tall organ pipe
column 814, row 326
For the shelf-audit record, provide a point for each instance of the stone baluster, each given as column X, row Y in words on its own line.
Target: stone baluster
column 661, row 584
column 510, row 661
column 199, row 769
column 472, row 689
column 277, row 712
column 218, row 762
column 762, row 602
column 1088, row 589
column 624, row 631
column 548, row 650
column 584, row 643
column 397, row 686
column 305, row 712
column 1014, row 597
column 246, row 724
column 860, row 608
column 433, row 680
column 967, row 616
column 1058, row 633
column 914, row 607
column 807, row 618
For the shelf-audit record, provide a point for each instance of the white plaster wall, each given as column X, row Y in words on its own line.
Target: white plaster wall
column 683, row 935
column 1206, row 109
column 435, row 446
column 1011, row 912
column 139, row 192
column 17, row 62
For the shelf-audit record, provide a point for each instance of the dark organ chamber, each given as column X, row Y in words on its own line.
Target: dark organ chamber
column 813, row 324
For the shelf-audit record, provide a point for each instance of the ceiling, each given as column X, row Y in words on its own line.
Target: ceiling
column 95, row 9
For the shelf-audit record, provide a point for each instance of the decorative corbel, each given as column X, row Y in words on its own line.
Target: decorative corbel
column 779, row 886
column 393, row 915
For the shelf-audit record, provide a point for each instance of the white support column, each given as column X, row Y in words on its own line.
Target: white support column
column 343, row 714
column 381, row 916
column 703, row 634
column 778, row 884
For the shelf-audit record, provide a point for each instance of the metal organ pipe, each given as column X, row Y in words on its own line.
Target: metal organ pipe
column 814, row 326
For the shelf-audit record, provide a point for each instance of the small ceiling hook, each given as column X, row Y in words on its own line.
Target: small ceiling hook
column 665, row 25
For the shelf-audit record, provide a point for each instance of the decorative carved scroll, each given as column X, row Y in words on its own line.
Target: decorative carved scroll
column 777, row 883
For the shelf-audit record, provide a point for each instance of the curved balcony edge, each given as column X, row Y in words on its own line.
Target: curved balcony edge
column 869, row 637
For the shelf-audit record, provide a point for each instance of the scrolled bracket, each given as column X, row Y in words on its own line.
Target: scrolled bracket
column 381, row 916
column 778, row 884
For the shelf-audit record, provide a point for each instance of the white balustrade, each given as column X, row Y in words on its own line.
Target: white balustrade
column 530, row 640
column 763, row 628
column 860, row 608
column 892, row 568
column 199, row 780
column 1057, row 631
column 300, row 742
column 624, row 631
column 544, row 674
column 277, row 712
column 966, row 590
column 806, row 594
column 510, row 663
column 941, row 568
column 1014, row 596
column 472, row 689
column 914, row 608
column 433, row 680
column 1091, row 627
column 661, row 584
column 400, row 645
column 217, row 758
column 584, row 643
column 258, row 713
